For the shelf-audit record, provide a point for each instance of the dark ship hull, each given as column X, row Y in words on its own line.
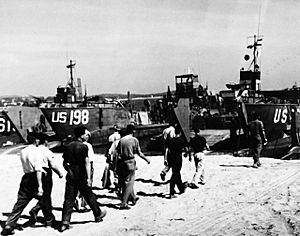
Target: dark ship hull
column 281, row 120
column 69, row 110
column 280, row 128
column 16, row 121
column 98, row 120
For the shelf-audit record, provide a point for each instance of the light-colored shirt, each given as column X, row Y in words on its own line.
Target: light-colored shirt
column 169, row 133
column 32, row 159
column 91, row 153
column 46, row 154
column 113, row 137
column 113, row 148
column 128, row 146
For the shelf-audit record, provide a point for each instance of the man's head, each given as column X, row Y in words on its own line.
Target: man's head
column 130, row 129
column 81, row 132
column 172, row 123
column 123, row 132
column 116, row 128
column 36, row 138
column 31, row 138
column 87, row 135
column 177, row 130
column 43, row 138
column 196, row 131
column 255, row 115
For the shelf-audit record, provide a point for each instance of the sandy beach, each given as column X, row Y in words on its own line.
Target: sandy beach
column 236, row 200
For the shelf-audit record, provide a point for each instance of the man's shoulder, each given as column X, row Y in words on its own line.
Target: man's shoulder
column 128, row 139
column 88, row 144
column 29, row 148
column 76, row 145
column 168, row 129
column 45, row 150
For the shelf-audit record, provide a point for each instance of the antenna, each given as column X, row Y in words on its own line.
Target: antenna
column 259, row 20
column 256, row 43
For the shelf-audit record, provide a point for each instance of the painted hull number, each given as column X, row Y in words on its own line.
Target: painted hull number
column 5, row 125
column 280, row 115
column 72, row 117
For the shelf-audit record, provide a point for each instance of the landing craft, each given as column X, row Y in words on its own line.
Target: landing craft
column 99, row 117
column 17, row 121
column 278, row 110
column 99, row 121
column 8, row 132
column 232, row 110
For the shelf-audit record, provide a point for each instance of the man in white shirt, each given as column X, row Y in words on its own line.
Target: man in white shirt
column 108, row 174
column 31, row 183
column 168, row 134
column 49, row 164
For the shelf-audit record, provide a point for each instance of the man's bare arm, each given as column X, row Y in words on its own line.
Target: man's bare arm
column 88, row 171
column 55, row 168
column 40, row 185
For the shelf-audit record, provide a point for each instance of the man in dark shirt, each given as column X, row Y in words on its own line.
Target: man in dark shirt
column 127, row 147
column 257, row 138
column 175, row 147
column 198, row 145
column 77, row 165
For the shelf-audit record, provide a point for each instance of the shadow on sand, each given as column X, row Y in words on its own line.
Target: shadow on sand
column 161, row 195
column 155, row 183
column 246, row 166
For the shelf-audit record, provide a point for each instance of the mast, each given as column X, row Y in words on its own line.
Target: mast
column 71, row 66
column 256, row 43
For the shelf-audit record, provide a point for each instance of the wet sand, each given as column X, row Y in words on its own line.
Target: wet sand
column 236, row 200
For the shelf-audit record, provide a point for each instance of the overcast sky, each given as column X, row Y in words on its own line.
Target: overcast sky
column 141, row 45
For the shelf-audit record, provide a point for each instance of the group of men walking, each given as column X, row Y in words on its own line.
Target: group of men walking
column 38, row 162
column 174, row 146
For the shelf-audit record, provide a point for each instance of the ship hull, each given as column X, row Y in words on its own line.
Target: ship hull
column 277, row 120
column 17, row 121
column 99, row 121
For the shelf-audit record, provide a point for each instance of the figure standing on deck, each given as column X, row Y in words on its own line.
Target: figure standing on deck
column 257, row 138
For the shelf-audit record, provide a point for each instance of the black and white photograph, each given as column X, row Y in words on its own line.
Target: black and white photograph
column 150, row 117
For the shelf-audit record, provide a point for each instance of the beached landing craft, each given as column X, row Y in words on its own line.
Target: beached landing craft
column 8, row 132
column 98, row 117
column 217, row 118
column 278, row 110
column 16, row 121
